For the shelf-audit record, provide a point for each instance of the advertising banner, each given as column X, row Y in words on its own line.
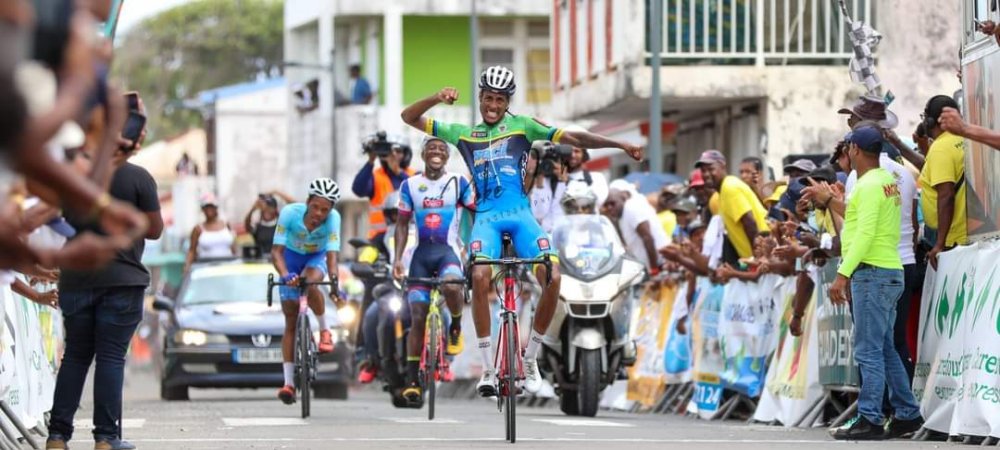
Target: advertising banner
column 707, row 349
column 836, row 334
column 957, row 378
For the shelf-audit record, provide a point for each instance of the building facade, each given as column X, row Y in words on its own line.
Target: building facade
column 748, row 77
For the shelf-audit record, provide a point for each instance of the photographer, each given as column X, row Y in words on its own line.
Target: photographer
column 549, row 183
column 577, row 174
column 376, row 183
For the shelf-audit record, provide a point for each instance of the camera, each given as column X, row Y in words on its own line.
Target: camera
column 378, row 144
column 548, row 154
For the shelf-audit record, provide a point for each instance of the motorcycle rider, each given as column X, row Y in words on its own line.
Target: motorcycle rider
column 368, row 368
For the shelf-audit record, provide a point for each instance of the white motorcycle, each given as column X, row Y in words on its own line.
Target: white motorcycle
column 588, row 341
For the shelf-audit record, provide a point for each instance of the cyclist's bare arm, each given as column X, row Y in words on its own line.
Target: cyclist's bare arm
column 402, row 235
column 331, row 264
column 278, row 257
column 413, row 115
column 584, row 139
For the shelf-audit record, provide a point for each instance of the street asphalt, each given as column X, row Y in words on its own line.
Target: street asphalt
column 232, row 419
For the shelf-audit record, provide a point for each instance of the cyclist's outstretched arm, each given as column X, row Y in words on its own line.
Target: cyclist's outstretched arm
column 584, row 139
column 413, row 115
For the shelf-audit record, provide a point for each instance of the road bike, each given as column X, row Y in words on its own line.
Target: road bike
column 509, row 360
column 433, row 361
column 305, row 351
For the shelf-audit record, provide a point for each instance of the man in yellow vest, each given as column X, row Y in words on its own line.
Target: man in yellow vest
column 376, row 183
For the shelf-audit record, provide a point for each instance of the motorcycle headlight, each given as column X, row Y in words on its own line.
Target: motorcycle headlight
column 197, row 338
column 347, row 314
column 395, row 304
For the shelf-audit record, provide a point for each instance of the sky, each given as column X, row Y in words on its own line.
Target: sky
column 134, row 11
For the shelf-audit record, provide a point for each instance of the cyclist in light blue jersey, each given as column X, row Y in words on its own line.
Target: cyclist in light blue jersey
column 306, row 244
column 498, row 153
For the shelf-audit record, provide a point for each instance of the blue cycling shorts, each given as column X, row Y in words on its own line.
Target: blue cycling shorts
column 297, row 263
column 529, row 240
column 431, row 260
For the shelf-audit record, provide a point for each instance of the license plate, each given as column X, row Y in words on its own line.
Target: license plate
column 257, row 355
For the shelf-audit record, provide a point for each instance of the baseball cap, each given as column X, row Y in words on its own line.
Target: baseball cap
column 776, row 195
column 868, row 138
column 803, row 165
column 825, row 173
column 710, row 157
column 697, row 180
column 683, row 204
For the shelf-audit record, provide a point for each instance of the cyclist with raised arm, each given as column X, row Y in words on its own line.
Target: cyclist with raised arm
column 306, row 243
column 433, row 199
column 497, row 152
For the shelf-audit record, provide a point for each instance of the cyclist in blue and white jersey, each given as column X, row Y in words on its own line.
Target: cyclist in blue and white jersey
column 498, row 153
column 306, row 244
column 432, row 199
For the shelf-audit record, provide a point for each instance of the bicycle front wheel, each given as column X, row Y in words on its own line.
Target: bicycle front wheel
column 513, row 356
column 430, row 373
column 304, row 363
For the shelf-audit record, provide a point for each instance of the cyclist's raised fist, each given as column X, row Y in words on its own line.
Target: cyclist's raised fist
column 448, row 95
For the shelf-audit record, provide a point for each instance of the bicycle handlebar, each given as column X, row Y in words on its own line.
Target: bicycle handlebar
column 302, row 284
column 507, row 262
column 434, row 282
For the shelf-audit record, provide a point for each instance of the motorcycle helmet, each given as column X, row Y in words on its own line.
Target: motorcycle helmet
column 579, row 199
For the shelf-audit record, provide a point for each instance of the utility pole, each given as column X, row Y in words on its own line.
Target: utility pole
column 474, row 49
column 655, row 146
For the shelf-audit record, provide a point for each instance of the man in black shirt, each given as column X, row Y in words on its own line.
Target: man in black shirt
column 101, row 311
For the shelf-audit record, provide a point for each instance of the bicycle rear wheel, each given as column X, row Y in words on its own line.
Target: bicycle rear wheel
column 304, row 362
column 430, row 373
column 510, row 323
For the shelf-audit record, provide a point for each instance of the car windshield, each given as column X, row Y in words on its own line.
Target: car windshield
column 217, row 285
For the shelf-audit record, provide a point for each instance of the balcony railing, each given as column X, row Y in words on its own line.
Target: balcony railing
column 758, row 31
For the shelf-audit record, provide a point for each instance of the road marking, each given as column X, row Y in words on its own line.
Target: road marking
column 86, row 424
column 422, row 420
column 435, row 439
column 584, row 423
column 262, row 421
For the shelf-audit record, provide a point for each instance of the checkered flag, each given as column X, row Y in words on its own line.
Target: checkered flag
column 864, row 40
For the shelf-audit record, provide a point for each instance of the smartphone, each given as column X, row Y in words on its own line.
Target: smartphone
column 133, row 128
column 132, row 98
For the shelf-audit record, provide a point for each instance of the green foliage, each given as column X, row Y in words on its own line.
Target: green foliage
column 200, row 45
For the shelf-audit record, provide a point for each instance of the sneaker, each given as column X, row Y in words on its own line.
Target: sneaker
column 325, row 341
column 412, row 393
column 532, row 377
column 455, row 342
column 367, row 373
column 898, row 428
column 859, row 429
column 113, row 444
column 287, row 395
column 487, row 386
column 55, row 442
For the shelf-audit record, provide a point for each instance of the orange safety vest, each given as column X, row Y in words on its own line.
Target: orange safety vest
column 383, row 187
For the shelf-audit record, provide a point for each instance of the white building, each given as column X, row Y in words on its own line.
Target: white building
column 750, row 77
column 248, row 132
column 408, row 49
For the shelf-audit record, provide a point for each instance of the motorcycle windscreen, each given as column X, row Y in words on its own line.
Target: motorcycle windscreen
column 588, row 245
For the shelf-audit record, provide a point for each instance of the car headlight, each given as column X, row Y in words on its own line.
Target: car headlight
column 198, row 338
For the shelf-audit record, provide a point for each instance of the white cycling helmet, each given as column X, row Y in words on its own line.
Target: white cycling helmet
column 579, row 199
column 324, row 187
column 498, row 79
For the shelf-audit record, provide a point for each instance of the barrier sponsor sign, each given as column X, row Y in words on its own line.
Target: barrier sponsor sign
column 957, row 378
column 792, row 383
column 707, row 349
column 746, row 323
column 836, row 334
column 647, row 379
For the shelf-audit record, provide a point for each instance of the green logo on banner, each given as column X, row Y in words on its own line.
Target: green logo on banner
column 946, row 314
